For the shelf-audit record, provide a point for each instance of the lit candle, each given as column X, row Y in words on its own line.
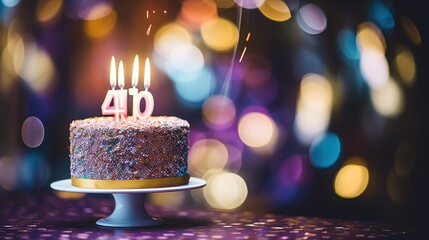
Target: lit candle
column 134, row 91
column 113, row 103
column 149, row 101
column 122, row 93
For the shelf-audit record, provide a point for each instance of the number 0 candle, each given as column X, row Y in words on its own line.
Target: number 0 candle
column 137, row 97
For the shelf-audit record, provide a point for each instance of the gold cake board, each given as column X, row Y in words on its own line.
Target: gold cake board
column 121, row 184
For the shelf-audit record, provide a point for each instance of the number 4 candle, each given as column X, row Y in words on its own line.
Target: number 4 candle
column 115, row 102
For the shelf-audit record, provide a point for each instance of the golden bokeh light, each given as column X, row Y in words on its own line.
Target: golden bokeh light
column 225, row 190
column 411, row 30
column 207, row 154
column 34, row 66
column 219, row 34
column 169, row 36
column 370, row 36
column 388, row 100
column 275, row 10
column 69, row 195
column 218, row 111
column 48, row 10
column 313, row 108
column 351, row 181
column 255, row 129
column 100, row 27
column 397, row 186
column 404, row 159
column 406, row 66
column 167, row 199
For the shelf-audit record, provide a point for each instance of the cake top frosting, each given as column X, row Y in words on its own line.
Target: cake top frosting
column 158, row 122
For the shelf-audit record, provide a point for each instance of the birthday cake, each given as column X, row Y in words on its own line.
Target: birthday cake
column 146, row 153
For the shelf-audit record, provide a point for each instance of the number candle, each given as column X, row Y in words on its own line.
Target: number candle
column 114, row 103
column 122, row 93
column 137, row 97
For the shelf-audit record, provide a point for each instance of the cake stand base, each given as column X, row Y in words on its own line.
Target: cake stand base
column 129, row 209
column 129, row 212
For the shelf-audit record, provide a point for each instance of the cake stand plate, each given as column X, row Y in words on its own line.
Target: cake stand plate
column 129, row 203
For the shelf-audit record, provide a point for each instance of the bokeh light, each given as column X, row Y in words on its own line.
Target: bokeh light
column 34, row 171
column 255, row 129
column 369, row 36
column 186, row 57
column 32, row 132
column 193, row 89
column 397, row 186
column 374, row 68
column 388, row 100
column 348, row 45
column 10, row 3
column 207, row 154
column 101, row 20
column 196, row 12
column 167, row 199
column 275, row 10
column 9, row 173
column 404, row 159
column 219, row 112
column 34, row 65
column 291, row 171
column 48, row 10
column 325, row 150
column 382, row 15
column 351, row 181
column 69, row 195
column 311, row 19
column 314, row 107
column 411, row 30
column 249, row 4
column 219, row 34
column 406, row 66
column 225, row 190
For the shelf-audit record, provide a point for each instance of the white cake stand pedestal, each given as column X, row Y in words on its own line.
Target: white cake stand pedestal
column 129, row 209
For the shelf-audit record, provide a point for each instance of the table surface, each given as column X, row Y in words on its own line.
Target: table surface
column 46, row 216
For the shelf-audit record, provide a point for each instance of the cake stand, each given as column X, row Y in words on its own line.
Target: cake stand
column 129, row 209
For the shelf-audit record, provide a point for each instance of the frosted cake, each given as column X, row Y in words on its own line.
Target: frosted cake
column 145, row 153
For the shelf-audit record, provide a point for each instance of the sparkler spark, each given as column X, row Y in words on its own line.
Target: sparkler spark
column 148, row 29
column 242, row 54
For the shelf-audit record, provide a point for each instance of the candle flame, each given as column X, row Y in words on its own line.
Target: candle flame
column 121, row 81
column 135, row 76
column 113, row 73
column 147, row 74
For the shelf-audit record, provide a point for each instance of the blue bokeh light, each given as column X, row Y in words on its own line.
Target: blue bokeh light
column 196, row 88
column 325, row 150
column 347, row 44
column 382, row 15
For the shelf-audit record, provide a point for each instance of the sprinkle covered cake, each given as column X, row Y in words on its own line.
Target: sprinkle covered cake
column 145, row 153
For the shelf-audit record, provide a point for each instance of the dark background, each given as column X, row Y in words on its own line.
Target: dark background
column 78, row 58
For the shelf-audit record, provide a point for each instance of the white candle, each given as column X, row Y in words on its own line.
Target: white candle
column 137, row 97
column 134, row 91
column 123, row 94
column 113, row 103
